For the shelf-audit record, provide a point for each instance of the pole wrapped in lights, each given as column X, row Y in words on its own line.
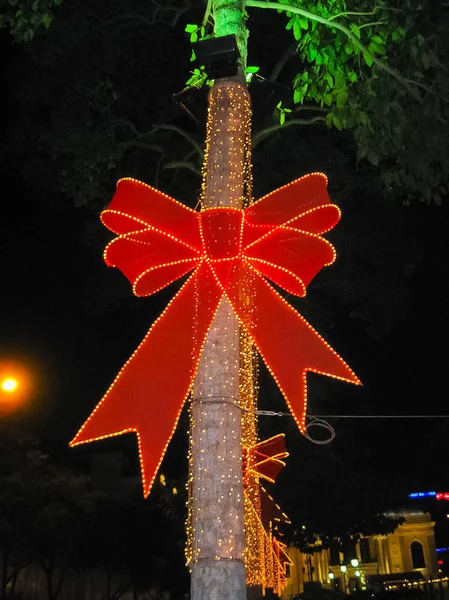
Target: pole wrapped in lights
column 231, row 253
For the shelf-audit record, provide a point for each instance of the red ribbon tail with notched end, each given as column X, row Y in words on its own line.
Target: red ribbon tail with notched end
column 149, row 392
column 287, row 343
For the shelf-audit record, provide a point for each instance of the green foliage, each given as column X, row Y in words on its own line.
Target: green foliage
column 250, row 72
column 283, row 112
column 43, row 510
column 348, row 71
column 379, row 71
column 96, row 75
column 24, row 18
column 198, row 77
column 50, row 517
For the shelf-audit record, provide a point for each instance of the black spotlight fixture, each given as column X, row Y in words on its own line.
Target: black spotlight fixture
column 219, row 56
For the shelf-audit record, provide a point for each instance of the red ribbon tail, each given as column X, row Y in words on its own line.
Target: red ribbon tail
column 149, row 392
column 288, row 344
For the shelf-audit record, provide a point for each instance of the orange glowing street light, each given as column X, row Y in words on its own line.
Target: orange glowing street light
column 17, row 385
column 9, row 384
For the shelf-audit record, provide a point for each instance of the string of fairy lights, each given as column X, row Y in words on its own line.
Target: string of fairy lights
column 215, row 530
column 203, row 344
column 263, row 555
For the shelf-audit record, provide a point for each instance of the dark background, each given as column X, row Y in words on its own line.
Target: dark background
column 71, row 322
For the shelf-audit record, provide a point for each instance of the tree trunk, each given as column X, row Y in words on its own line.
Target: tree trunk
column 218, row 534
column 50, row 569
column 4, row 581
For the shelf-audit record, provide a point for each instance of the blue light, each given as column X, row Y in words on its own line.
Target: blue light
column 442, row 549
column 422, row 494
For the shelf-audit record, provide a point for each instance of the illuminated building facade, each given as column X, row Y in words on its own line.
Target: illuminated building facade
column 406, row 555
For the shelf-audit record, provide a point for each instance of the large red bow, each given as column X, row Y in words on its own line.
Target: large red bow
column 231, row 252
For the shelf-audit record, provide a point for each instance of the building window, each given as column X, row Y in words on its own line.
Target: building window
column 365, row 555
column 349, row 551
column 334, row 553
column 417, row 553
column 287, row 570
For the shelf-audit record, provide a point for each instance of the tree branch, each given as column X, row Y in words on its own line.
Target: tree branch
column 207, row 13
column 263, row 133
column 332, row 24
column 372, row 24
column 184, row 134
column 181, row 164
column 358, row 14
column 173, row 128
column 282, row 61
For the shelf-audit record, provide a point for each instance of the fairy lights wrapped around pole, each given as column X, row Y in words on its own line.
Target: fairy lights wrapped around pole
column 232, row 249
column 217, row 512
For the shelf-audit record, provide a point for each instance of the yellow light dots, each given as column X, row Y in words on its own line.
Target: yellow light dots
column 81, row 438
column 216, row 503
column 204, row 343
column 227, row 182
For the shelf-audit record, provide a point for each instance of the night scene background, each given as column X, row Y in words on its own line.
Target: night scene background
column 92, row 99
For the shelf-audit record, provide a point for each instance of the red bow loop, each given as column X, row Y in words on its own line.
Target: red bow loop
column 231, row 252
column 136, row 206
column 290, row 258
column 150, row 260
column 303, row 204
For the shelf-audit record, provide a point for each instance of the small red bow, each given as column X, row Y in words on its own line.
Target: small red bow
column 231, row 253
column 265, row 459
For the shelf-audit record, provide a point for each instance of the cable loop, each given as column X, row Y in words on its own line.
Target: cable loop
column 321, row 423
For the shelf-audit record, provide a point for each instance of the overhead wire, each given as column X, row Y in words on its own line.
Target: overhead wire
column 320, row 422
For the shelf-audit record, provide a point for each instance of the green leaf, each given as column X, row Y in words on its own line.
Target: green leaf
column 375, row 48
column 368, row 59
column 47, row 19
column 327, row 99
column 282, row 118
column 338, row 124
column 342, row 99
column 372, row 158
column 355, row 30
column 190, row 28
column 298, row 95
column 426, row 61
column 252, row 69
column 329, row 119
column 296, row 29
column 349, row 48
column 330, row 51
column 312, row 54
column 194, row 37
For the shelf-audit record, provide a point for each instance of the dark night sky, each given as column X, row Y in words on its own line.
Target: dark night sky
column 55, row 319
